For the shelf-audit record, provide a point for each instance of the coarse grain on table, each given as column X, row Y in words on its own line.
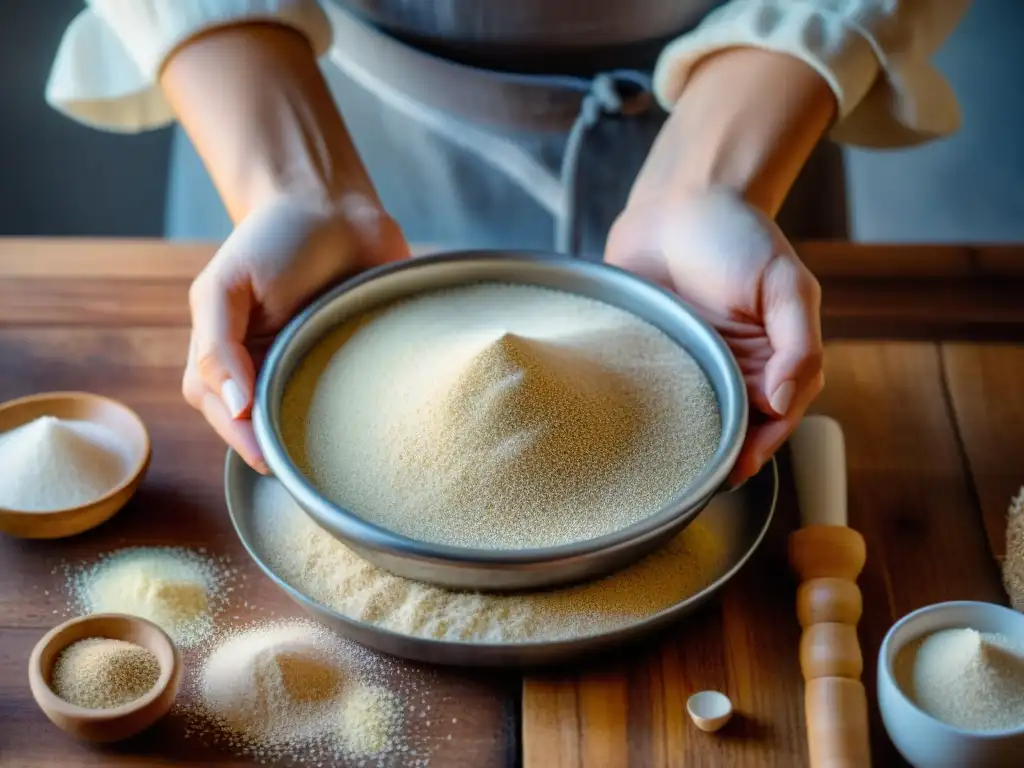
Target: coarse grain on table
column 178, row 589
column 320, row 566
column 292, row 690
column 500, row 416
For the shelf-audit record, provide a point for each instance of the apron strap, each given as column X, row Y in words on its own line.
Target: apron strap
column 621, row 93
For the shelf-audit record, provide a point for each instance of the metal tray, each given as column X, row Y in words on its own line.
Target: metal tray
column 741, row 517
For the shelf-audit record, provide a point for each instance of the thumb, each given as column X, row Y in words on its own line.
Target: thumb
column 791, row 306
column 220, row 320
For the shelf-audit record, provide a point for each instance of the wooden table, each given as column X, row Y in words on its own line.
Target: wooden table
column 932, row 422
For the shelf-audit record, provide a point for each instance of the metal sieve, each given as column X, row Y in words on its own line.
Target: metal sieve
column 484, row 569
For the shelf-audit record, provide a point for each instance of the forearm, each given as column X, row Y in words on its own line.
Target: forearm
column 255, row 105
column 746, row 120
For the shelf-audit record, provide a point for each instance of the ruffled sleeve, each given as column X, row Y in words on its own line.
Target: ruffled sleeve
column 875, row 55
column 106, row 69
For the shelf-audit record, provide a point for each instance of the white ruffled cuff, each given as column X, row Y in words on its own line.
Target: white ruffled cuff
column 885, row 98
column 106, row 69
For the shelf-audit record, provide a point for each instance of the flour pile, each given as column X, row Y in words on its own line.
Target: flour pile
column 320, row 566
column 501, row 416
column 969, row 679
column 292, row 690
column 178, row 589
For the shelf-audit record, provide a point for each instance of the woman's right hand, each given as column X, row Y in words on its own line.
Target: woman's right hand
column 280, row 256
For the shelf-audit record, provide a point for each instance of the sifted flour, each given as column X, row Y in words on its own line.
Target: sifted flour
column 178, row 589
column 317, row 564
column 966, row 678
column 293, row 690
column 50, row 464
column 276, row 684
column 549, row 418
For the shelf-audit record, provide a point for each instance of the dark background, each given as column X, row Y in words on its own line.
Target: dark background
column 60, row 178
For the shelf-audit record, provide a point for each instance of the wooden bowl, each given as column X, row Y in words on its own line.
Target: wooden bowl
column 81, row 406
column 105, row 725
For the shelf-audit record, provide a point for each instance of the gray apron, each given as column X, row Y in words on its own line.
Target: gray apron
column 468, row 152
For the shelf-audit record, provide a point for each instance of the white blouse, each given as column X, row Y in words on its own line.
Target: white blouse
column 873, row 53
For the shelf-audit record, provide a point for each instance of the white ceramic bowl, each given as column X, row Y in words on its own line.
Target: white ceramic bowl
column 922, row 740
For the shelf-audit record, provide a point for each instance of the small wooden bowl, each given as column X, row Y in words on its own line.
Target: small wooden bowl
column 81, row 406
column 105, row 725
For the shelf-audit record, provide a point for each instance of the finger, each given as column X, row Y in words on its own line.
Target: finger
column 236, row 433
column 192, row 387
column 791, row 306
column 220, row 320
column 767, row 436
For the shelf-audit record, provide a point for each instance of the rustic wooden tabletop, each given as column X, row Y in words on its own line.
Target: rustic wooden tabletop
column 922, row 373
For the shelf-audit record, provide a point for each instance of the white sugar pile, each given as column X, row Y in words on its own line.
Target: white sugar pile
column 178, row 589
column 501, row 416
column 320, row 566
column 965, row 678
column 292, row 690
column 50, row 464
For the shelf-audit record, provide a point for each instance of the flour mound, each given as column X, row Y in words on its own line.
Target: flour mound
column 500, row 416
column 50, row 464
column 518, row 404
column 278, row 684
column 177, row 589
column 966, row 678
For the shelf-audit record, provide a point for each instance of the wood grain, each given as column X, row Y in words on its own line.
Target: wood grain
column 182, row 503
column 631, row 709
column 869, row 291
column 110, row 317
column 910, row 499
column 986, row 385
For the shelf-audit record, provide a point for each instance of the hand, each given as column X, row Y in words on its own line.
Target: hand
column 735, row 267
column 277, row 259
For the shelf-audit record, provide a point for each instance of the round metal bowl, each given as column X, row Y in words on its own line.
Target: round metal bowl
column 499, row 570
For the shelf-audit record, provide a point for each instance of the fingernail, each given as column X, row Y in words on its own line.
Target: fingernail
column 783, row 398
column 233, row 398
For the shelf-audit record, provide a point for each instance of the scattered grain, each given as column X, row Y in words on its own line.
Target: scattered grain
column 178, row 589
column 371, row 716
column 551, row 418
column 965, row 678
column 293, row 691
column 320, row 566
column 50, row 464
column 100, row 673
column 275, row 684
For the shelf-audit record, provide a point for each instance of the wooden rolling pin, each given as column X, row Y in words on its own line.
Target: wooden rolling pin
column 827, row 556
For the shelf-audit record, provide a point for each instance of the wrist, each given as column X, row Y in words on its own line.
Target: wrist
column 746, row 121
column 254, row 103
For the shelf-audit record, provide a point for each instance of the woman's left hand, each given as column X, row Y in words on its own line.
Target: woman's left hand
column 736, row 268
